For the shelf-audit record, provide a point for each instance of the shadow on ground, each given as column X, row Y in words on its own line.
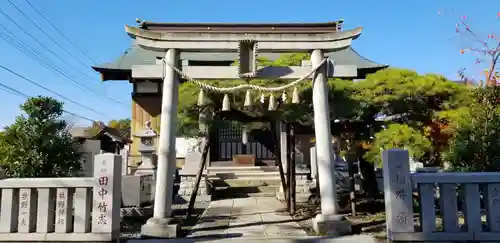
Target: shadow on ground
column 131, row 225
column 223, row 227
column 350, row 239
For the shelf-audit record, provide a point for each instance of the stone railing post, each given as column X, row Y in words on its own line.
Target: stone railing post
column 397, row 191
column 107, row 194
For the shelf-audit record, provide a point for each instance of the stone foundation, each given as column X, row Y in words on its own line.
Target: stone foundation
column 187, row 185
column 332, row 225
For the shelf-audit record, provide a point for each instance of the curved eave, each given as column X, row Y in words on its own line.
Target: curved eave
column 135, row 32
column 363, row 72
column 350, row 56
column 113, row 74
column 120, row 69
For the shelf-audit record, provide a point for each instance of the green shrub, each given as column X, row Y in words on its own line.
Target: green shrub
column 38, row 144
column 398, row 136
column 475, row 144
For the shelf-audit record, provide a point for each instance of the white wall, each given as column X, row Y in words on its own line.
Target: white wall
column 182, row 146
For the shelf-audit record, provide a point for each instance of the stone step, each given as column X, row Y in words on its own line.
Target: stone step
column 246, row 176
column 246, row 183
column 241, row 168
column 272, row 188
column 243, row 175
column 231, row 192
column 243, row 178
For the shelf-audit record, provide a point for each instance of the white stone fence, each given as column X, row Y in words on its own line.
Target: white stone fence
column 64, row 209
column 471, row 222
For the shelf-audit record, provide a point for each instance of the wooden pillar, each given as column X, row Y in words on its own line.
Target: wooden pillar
column 145, row 107
column 291, row 169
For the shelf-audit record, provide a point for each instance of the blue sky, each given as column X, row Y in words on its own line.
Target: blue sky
column 409, row 34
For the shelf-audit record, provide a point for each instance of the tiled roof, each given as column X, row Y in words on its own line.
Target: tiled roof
column 92, row 133
column 243, row 27
column 136, row 55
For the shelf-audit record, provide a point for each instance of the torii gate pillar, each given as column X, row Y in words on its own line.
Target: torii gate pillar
column 328, row 221
column 159, row 225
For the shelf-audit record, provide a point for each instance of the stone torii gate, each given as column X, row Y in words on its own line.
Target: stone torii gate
column 247, row 40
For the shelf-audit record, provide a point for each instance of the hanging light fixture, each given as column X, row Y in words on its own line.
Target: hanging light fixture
column 226, row 106
column 295, row 96
column 248, row 99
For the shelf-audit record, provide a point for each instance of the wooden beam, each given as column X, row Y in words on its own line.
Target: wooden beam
column 292, row 181
column 147, row 71
column 228, row 45
column 288, row 170
column 231, row 72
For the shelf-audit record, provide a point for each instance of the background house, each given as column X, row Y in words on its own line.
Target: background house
column 111, row 140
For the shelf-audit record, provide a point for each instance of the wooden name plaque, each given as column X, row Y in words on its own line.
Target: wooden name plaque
column 244, row 159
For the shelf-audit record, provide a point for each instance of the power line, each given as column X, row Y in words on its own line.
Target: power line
column 45, row 33
column 30, row 52
column 36, row 56
column 59, row 31
column 53, row 66
column 46, row 89
column 14, row 91
column 9, row 90
column 23, row 47
column 39, row 42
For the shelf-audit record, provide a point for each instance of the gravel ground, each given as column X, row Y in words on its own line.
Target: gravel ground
column 369, row 220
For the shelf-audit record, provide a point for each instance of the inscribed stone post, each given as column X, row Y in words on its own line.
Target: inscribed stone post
column 27, row 210
column 397, row 191
column 107, row 194
column 493, row 206
column 64, row 206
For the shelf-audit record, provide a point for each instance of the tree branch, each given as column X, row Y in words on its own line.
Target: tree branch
column 468, row 29
column 495, row 57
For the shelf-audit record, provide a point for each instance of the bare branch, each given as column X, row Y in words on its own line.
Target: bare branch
column 491, row 52
column 483, row 51
column 494, row 61
column 468, row 29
